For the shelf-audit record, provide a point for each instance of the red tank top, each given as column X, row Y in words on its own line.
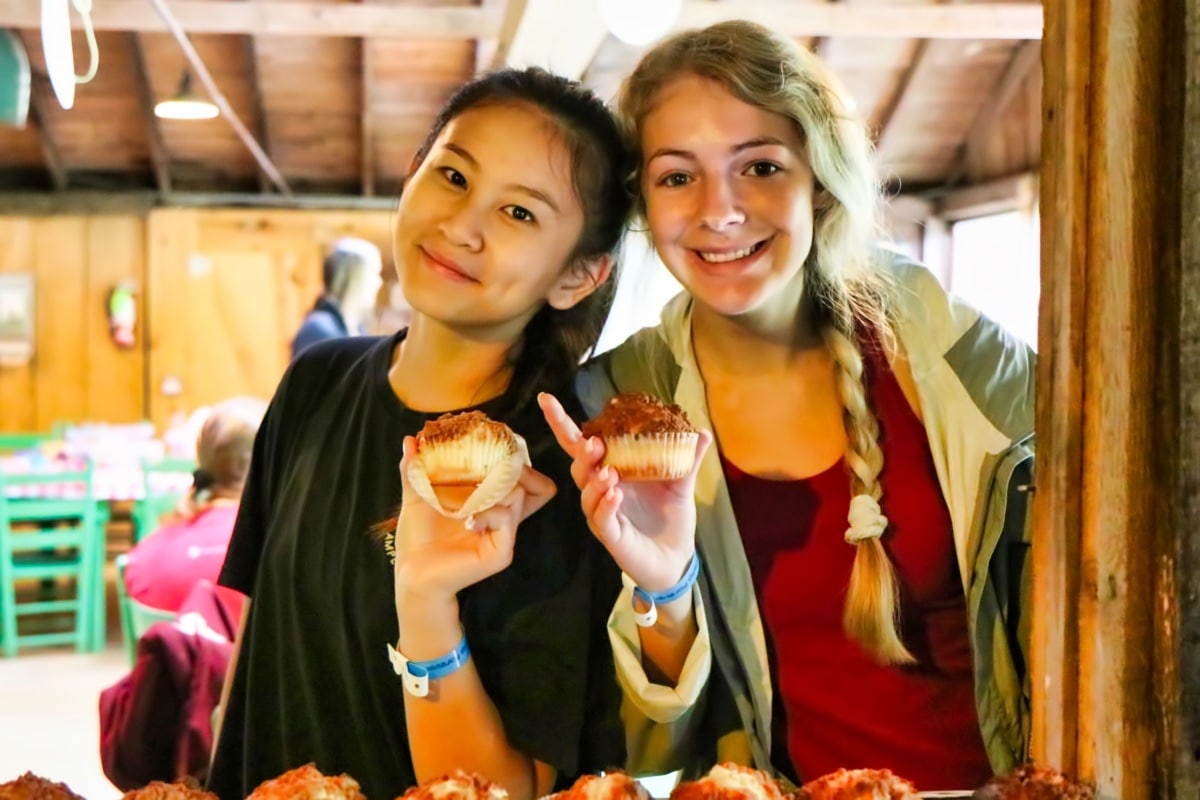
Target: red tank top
column 834, row 705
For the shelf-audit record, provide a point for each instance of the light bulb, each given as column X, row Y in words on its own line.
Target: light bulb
column 639, row 22
column 185, row 109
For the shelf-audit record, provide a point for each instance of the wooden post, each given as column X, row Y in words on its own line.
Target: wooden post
column 1118, row 473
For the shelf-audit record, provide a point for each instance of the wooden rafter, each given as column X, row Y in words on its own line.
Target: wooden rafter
column 159, row 157
column 1025, row 59
column 262, row 126
column 885, row 112
column 992, row 20
column 41, row 97
column 926, row 21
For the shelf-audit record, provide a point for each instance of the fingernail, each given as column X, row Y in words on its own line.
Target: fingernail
column 469, row 523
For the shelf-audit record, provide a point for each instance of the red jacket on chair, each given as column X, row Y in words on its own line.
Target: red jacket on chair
column 156, row 722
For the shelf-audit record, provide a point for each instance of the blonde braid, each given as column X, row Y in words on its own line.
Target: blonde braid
column 873, row 598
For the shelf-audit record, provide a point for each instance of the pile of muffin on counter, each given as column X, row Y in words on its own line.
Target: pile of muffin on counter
column 723, row 782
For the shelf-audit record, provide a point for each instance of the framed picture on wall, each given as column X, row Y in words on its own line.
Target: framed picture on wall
column 16, row 318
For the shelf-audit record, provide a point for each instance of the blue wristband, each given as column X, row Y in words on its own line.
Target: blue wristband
column 416, row 675
column 653, row 599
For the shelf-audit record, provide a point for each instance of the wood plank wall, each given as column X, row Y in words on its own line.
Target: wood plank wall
column 227, row 289
column 77, row 373
column 220, row 295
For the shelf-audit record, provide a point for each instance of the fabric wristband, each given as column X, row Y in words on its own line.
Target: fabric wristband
column 654, row 599
column 415, row 675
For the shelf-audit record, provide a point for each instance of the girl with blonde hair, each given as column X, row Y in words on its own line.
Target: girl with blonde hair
column 861, row 548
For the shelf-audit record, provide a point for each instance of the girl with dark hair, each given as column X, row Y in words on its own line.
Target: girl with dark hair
column 504, row 243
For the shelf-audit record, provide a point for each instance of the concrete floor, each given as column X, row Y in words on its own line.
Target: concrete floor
column 50, row 705
column 49, row 717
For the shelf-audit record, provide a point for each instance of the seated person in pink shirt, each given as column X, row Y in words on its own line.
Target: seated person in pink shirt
column 164, row 567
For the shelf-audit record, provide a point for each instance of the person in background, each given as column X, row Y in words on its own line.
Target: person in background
column 861, row 526
column 352, row 279
column 164, row 567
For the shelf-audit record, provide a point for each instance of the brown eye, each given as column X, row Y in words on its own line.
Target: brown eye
column 762, row 169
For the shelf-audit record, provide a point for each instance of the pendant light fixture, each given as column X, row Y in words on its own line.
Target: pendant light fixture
column 186, row 104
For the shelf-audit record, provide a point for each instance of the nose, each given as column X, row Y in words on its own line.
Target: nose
column 720, row 209
column 462, row 227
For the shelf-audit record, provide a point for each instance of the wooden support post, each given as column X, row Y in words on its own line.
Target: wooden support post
column 1114, row 590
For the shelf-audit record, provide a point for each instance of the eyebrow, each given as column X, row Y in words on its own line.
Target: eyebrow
column 536, row 194
column 749, row 144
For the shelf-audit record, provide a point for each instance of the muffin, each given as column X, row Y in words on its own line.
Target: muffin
column 614, row 785
column 35, row 787
column 645, row 439
column 308, row 783
column 729, row 782
column 466, row 463
column 180, row 790
column 1032, row 782
column 458, row 785
column 858, row 784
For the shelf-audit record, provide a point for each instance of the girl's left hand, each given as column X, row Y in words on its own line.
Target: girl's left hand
column 437, row 556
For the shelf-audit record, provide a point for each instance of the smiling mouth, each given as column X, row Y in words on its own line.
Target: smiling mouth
column 448, row 268
column 730, row 255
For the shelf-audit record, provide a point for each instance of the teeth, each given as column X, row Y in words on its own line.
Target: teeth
column 734, row 255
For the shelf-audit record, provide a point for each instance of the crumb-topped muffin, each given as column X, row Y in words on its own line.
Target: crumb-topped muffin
column 466, row 463
column 308, row 783
column 858, row 784
column 645, row 439
column 730, row 782
column 188, row 789
column 615, row 785
column 1033, row 782
column 34, row 787
column 458, row 785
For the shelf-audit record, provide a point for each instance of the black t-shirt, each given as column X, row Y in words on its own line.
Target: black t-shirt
column 313, row 681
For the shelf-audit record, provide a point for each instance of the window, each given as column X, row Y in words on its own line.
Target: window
column 995, row 267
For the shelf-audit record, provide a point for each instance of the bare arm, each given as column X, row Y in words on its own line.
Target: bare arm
column 456, row 726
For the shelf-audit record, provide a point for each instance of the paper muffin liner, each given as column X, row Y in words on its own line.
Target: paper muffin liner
column 487, row 461
column 651, row 457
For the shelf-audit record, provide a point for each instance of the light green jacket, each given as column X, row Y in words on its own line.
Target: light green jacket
column 975, row 386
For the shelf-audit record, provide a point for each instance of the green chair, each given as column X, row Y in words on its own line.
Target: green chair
column 155, row 502
column 136, row 618
column 48, row 539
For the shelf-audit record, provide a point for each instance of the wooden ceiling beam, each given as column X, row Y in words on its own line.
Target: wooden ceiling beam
column 262, row 125
column 930, row 20
column 885, row 112
column 159, row 157
column 1025, row 59
column 991, row 20
column 41, row 100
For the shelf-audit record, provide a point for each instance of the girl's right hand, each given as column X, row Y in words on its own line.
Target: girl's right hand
column 648, row 527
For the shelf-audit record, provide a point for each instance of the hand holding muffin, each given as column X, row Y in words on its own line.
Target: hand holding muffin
column 636, row 465
column 467, row 485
